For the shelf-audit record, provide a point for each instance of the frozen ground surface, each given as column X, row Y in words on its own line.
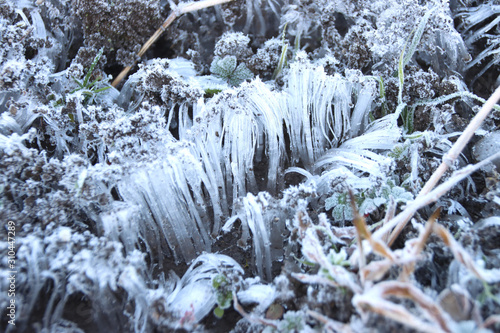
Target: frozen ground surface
column 209, row 191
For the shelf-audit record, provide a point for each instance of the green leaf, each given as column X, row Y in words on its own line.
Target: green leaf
column 92, row 66
column 101, row 89
column 284, row 50
column 226, row 69
column 218, row 281
column 218, row 312
column 401, row 76
column 242, row 73
column 382, row 96
column 224, row 299
column 417, row 36
column 80, row 84
column 223, row 67
column 211, row 92
column 408, row 117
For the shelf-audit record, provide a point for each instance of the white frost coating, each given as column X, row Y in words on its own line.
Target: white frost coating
column 239, row 125
column 341, row 174
column 182, row 67
column 185, row 122
column 260, row 231
column 15, row 142
column 39, row 26
column 193, row 297
column 364, row 102
column 207, row 148
column 382, row 134
column 31, row 252
column 240, row 133
column 488, row 146
column 263, row 295
column 493, row 221
column 137, row 290
column 9, row 125
column 188, row 193
column 120, row 225
column 269, row 111
column 261, row 216
column 415, row 159
column 363, row 160
column 197, row 297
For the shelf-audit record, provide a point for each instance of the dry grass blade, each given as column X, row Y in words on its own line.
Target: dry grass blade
column 374, row 300
column 490, row 276
column 377, row 269
column 419, row 244
column 426, row 233
column 450, row 158
column 491, row 320
column 176, row 12
column 389, row 215
column 364, row 233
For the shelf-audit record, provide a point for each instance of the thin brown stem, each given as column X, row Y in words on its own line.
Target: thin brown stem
column 181, row 9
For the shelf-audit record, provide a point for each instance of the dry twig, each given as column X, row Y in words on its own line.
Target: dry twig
column 448, row 160
column 423, row 200
column 375, row 300
column 182, row 8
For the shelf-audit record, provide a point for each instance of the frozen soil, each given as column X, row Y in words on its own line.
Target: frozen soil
column 209, row 190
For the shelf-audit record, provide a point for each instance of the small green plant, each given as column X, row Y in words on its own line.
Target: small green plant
column 367, row 201
column 408, row 113
column 400, row 151
column 91, row 88
column 341, row 206
column 226, row 69
column 383, row 99
column 338, row 258
column 209, row 92
column 223, row 294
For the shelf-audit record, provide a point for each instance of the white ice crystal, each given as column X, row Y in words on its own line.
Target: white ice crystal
column 260, row 294
column 170, row 195
column 193, row 296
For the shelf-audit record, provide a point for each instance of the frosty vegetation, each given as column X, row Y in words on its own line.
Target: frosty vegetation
column 245, row 175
